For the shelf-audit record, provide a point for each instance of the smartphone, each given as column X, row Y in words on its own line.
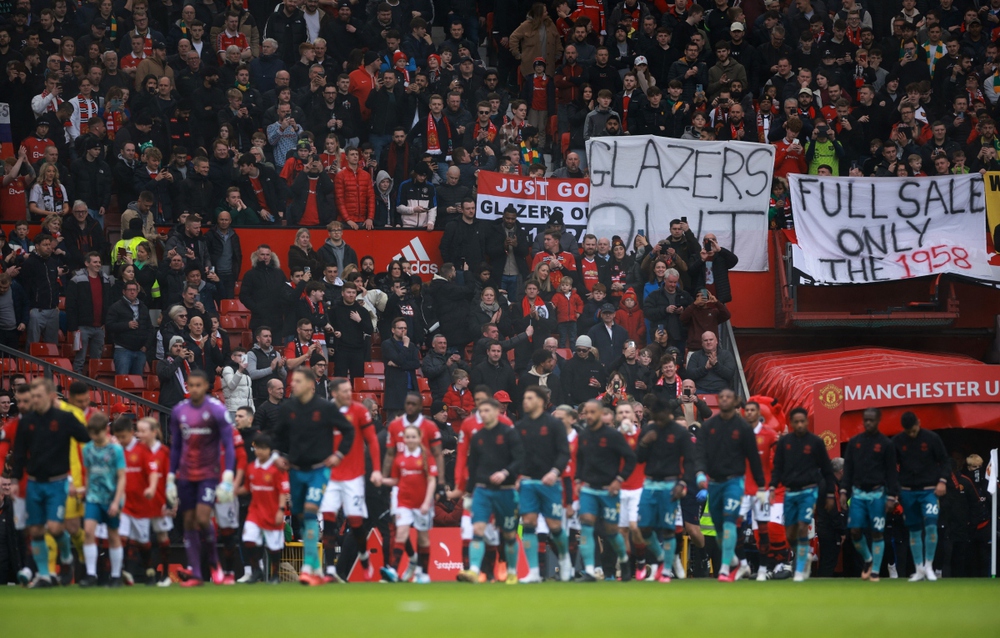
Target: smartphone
column 660, row 327
column 684, row 219
column 708, row 245
column 698, row 88
column 704, row 293
column 687, row 392
column 307, row 269
column 641, row 232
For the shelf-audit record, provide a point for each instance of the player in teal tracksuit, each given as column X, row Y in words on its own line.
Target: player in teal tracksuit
column 104, row 460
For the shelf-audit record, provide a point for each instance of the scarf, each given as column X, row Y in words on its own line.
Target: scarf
column 113, row 121
column 527, row 306
column 677, row 382
column 183, row 372
column 489, row 309
column 854, row 36
column 433, row 141
column 54, row 104
column 395, row 155
column 529, row 156
column 934, row 53
column 763, row 125
column 88, row 108
column 491, row 131
column 242, row 87
column 733, row 130
column 543, row 377
column 56, row 193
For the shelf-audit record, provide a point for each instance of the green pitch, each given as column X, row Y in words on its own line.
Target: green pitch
column 696, row 608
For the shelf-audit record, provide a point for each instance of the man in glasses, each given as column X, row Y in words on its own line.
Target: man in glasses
column 583, row 376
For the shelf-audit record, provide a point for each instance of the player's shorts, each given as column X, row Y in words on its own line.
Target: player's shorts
column 75, row 508
column 657, row 507
column 99, row 513
column 394, row 500
column 274, row 539
column 349, row 495
column 227, row 515
column 411, row 516
column 161, row 524
column 691, row 508
column 746, row 505
column 724, row 499
column 190, row 494
column 539, row 498
column 920, row 508
column 776, row 512
column 599, row 503
column 20, row 513
column 46, row 501
column 867, row 510
column 800, row 505
column 491, row 535
column 307, row 487
column 499, row 503
column 628, row 511
column 132, row 528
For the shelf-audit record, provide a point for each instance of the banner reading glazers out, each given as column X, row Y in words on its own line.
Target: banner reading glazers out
column 535, row 200
column 639, row 183
column 855, row 230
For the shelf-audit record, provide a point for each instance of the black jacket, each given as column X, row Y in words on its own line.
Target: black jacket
column 600, row 456
column 801, row 461
column 722, row 263
column 196, row 195
column 80, row 241
column 40, row 278
column 352, row 333
column 545, row 444
column 289, row 31
column 463, row 243
column 870, row 462
column 215, row 244
column 726, row 446
column 327, row 256
column 41, row 448
column 171, row 391
column 275, row 190
column 495, row 450
column 80, row 301
column 325, row 202
column 401, row 377
column 451, row 302
column 117, row 319
column 305, row 432
column 91, row 182
column 923, row 461
column 672, row 454
column 496, row 248
column 10, row 543
column 575, row 379
column 654, row 307
column 263, row 293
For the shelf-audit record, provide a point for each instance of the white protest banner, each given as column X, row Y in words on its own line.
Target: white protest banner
column 641, row 182
column 534, row 199
column 863, row 230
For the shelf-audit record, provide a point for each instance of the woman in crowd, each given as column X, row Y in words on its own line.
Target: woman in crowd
column 488, row 308
column 301, row 254
column 47, row 194
column 541, row 276
column 175, row 325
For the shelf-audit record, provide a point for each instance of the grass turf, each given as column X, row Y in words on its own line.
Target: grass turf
column 699, row 608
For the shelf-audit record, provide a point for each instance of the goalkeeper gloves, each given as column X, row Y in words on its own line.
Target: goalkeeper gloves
column 763, row 496
column 224, row 491
column 171, row 491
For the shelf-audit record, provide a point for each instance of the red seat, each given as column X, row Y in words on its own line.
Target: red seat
column 374, row 368
column 59, row 362
column 108, row 352
column 423, row 384
column 233, row 307
column 236, row 288
column 43, row 349
column 130, row 382
column 428, row 400
column 152, row 382
column 153, row 397
column 364, row 384
column 565, row 353
column 361, row 396
column 100, row 367
column 233, row 322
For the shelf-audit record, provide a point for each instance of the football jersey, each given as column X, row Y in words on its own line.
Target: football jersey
column 239, row 449
column 139, row 464
column 766, row 440
column 638, row 475
column 161, row 455
column 413, row 469
column 567, row 260
column 7, row 435
column 569, row 489
column 103, row 464
column 470, row 426
column 196, row 432
column 267, row 483
column 353, row 465
column 430, row 434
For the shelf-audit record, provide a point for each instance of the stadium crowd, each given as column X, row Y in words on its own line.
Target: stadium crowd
column 349, row 115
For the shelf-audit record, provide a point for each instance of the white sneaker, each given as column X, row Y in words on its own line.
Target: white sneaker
column 424, row 579
column 651, row 572
column 893, row 572
column 918, row 575
column 530, row 579
column 679, row 571
column 566, row 568
column 411, row 569
column 761, row 574
column 929, row 572
column 599, row 573
column 742, row 572
column 245, row 578
column 799, row 577
column 166, row 582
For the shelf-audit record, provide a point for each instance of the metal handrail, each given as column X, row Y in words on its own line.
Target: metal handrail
column 728, row 341
column 50, row 370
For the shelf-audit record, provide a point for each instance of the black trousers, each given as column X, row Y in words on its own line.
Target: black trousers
column 348, row 362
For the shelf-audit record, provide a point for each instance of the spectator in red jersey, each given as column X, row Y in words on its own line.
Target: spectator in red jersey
column 561, row 263
column 789, row 155
column 312, row 197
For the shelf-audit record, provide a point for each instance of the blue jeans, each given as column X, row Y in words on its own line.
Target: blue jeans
column 96, row 214
column 511, row 283
column 567, row 334
column 129, row 361
column 379, row 142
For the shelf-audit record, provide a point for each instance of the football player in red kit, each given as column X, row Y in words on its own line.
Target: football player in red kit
column 415, row 475
column 631, row 492
column 269, row 488
column 227, row 514
column 142, row 475
column 161, row 519
column 346, row 489
column 771, row 543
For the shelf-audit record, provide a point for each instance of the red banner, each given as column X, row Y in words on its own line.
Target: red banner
column 419, row 247
column 535, row 200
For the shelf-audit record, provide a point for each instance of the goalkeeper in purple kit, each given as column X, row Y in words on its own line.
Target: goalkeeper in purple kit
column 198, row 426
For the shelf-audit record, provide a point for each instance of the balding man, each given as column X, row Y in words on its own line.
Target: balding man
column 710, row 368
column 266, row 416
column 572, row 168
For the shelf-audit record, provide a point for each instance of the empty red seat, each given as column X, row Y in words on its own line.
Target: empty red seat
column 361, row 396
column 364, row 384
column 130, row 382
column 233, row 307
column 100, row 367
column 376, row 368
column 151, row 396
column 43, row 349
column 423, row 384
column 233, row 322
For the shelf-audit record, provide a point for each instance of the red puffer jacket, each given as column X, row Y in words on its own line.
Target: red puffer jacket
column 632, row 318
column 355, row 195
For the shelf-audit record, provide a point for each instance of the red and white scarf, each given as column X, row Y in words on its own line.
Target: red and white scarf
column 491, row 131
column 433, row 141
column 88, row 109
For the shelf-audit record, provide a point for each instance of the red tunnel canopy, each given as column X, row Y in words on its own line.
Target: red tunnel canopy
column 946, row 391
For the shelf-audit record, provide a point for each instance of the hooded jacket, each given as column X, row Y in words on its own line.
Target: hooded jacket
column 80, row 302
column 632, row 319
column 385, row 201
column 263, row 293
column 355, row 195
